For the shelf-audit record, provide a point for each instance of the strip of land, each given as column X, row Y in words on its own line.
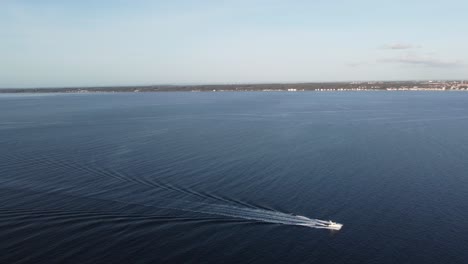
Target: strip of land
column 289, row 87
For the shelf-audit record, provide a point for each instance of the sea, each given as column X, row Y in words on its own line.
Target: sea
column 234, row 177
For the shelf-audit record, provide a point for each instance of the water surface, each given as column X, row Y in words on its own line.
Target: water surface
column 215, row 177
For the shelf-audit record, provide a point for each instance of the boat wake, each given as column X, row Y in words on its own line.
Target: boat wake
column 148, row 197
column 230, row 211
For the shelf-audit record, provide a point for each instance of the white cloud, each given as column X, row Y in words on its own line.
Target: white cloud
column 400, row 46
column 424, row 60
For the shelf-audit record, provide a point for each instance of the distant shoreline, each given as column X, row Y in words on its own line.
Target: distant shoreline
column 292, row 87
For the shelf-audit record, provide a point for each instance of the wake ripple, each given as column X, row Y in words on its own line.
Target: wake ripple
column 230, row 211
column 116, row 192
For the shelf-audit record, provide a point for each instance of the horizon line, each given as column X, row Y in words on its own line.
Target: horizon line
column 213, row 83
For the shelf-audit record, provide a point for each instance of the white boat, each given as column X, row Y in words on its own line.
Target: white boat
column 333, row 225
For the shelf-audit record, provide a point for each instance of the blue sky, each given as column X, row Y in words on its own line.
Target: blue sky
column 52, row 43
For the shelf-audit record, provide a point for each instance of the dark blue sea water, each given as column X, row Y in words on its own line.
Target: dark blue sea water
column 221, row 177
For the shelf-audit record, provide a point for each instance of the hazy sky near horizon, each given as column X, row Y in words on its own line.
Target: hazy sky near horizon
column 52, row 43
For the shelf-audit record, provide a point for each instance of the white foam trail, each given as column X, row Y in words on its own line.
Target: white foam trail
column 261, row 215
